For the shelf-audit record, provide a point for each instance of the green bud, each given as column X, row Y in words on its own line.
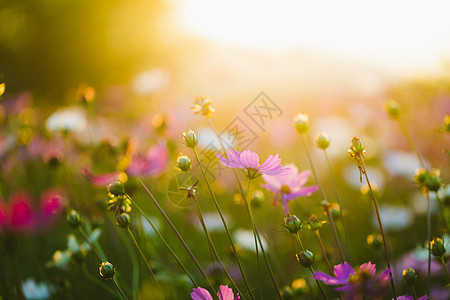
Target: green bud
column 116, row 188
column 392, row 108
column 433, row 181
column 184, row 163
column 306, row 258
column 314, row 223
column 409, row 276
column 301, row 123
column 258, row 198
column 437, row 247
column 74, row 219
column 123, row 220
column 322, row 141
column 375, row 241
column 287, row 293
column 190, row 138
column 292, row 223
column 107, row 270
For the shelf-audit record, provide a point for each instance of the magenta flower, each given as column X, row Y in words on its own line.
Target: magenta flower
column 224, row 293
column 356, row 284
column 152, row 163
column 249, row 161
column 408, row 297
column 100, row 180
column 289, row 184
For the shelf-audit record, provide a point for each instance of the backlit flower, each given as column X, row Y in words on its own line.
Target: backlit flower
column 249, row 161
column 152, row 163
column 289, row 184
column 224, row 293
column 202, row 105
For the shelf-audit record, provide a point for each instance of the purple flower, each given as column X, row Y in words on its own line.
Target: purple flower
column 152, row 163
column 289, row 184
column 224, row 293
column 355, row 284
column 408, row 297
column 249, row 161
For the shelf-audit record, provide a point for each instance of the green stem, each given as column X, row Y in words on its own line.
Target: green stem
column 224, row 223
column 183, row 243
column 340, row 204
column 145, row 260
column 98, row 282
column 445, row 269
column 410, row 142
column 86, row 238
column 429, row 242
column 386, row 254
column 414, row 292
column 165, row 243
column 324, row 197
column 323, row 251
column 120, row 290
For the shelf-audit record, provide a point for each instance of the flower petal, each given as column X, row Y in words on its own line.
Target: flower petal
column 225, row 293
column 343, row 271
column 325, row 278
column 249, row 159
column 200, row 294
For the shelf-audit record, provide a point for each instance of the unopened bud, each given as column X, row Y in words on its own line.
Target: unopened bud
column 301, row 123
column 107, row 270
column 306, row 258
column 433, row 181
column 116, row 188
column 392, row 108
column 314, row 223
column 190, row 138
column 322, row 141
column 287, row 293
column 258, row 198
column 375, row 241
column 74, row 219
column 184, row 163
column 437, row 247
column 292, row 223
column 123, row 220
column 409, row 276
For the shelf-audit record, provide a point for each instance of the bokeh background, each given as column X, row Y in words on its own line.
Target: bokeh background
column 90, row 83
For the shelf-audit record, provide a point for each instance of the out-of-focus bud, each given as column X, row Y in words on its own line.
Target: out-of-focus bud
column 159, row 122
column 190, row 138
column 301, row 123
column 314, row 224
column 437, row 247
column 335, row 211
column 116, row 188
column 74, row 219
column 123, row 220
column 292, row 223
column 2, row 88
column 107, row 270
column 375, row 241
column 420, row 176
column 433, row 181
column 409, row 276
column 258, row 198
column 446, row 123
column 300, row 287
column 392, row 108
column 184, row 163
column 322, row 141
column 287, row 293
column 306, row 258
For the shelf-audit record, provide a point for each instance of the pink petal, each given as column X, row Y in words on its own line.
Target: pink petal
column 21, row 214
column 100, row 180
column 343, row 271
column 225, row 293
column 371, row 268
column 228, row 163
column 249, row 159
column 200, row 294
column 271, row 162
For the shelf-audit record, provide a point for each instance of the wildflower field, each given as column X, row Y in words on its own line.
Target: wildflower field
column 139, row 161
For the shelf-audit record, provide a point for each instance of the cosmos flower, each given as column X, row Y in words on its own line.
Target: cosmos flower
column 152, row 163
column 289, row 184
column 408, row 297
column 359, row 283
column 67, row 119
column 249, row 161
column 224, row 293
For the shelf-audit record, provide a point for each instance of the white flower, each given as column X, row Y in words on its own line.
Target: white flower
column 32, row 290
column 68, row 119
column 246, row 240
column 213, row 222
column 394, row 218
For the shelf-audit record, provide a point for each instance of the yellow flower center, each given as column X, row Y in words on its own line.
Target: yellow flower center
column 285, row 189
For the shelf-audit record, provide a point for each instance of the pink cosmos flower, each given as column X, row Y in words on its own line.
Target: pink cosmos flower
column 289, row 184
column 100, row 180
column 224, row 293
column 355, row 284
column 19, row 214
column 408, row 297
column 249, row 161
column 152, row 163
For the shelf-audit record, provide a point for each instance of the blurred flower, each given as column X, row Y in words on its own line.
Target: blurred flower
column 20, row 216
column 249, row 161
column 2, row 88
column 153, row 163
column 301, row 123
column 392, row 108
column 289, row 185
column 151, row 81
column 246, row 239
column 394, row 218
column 417, row 260
column 100, row 180
column 354, row 284
column 408, row 297
column 213, row 222
column 67, row 119
column 202, row 105
column 224, row 293
column 400, row 163
column 33, row 290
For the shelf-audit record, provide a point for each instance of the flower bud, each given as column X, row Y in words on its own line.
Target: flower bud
column 375, row 241
column 433, row 181
column 292, row 223
column 184, row 163
column 287, row 293
column 335, row 211
column 258, row 198
column 322, row 141
column 107, row 270
column 190, row 138
column 392, row 108
column 306, row 258
column 74, row 219
column 437, row 247
column 409, row 276
column 300, row 287
column 116, row 188
column 123, row 220
column 420, row 176
column 314, row 223
column 301, row 123
column 447, row 123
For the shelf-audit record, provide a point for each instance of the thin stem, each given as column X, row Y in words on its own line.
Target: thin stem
column 197, row 264
column 324, row 197
column 120, row 290
column 323, row 251
column 445, row 269
column 145, row 260
column 386, row 255
column 224, row 223
column 429, row 241
column 86, row 238
column 414, row 292
column 211, row 244
column 340, row 204
column 410, row 142
column 98, row 282
column 165, row 243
